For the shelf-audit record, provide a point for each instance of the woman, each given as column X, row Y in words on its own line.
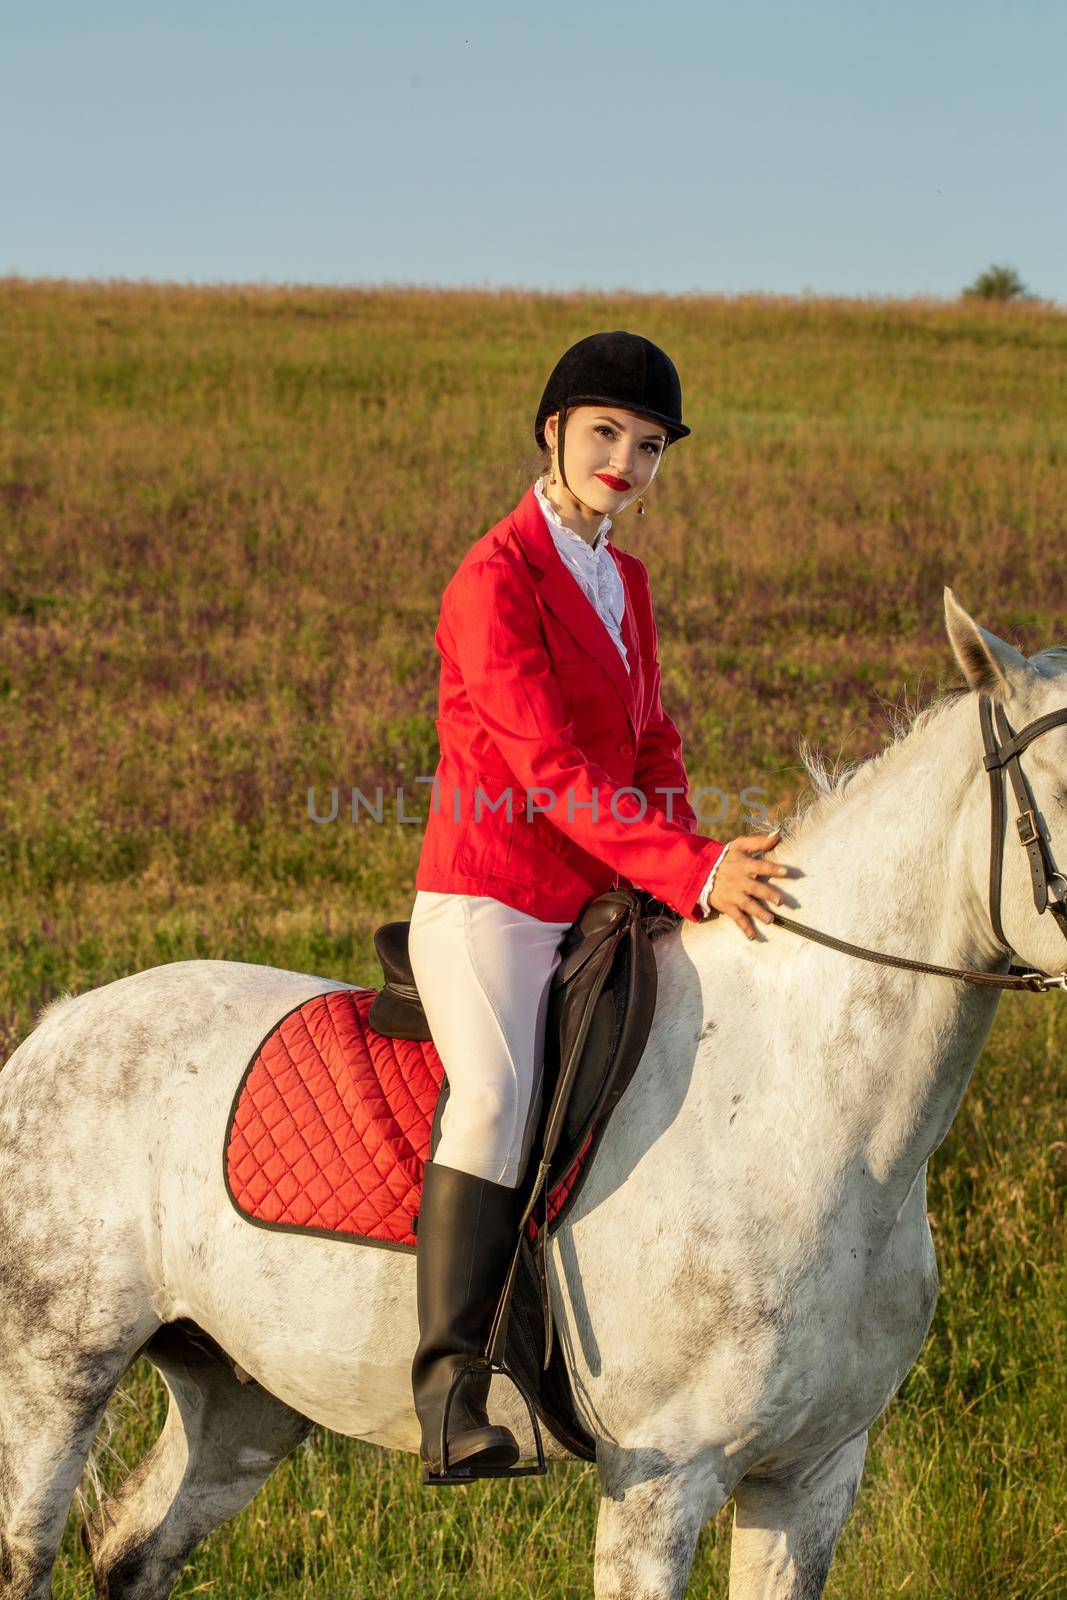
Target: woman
column 561, row 776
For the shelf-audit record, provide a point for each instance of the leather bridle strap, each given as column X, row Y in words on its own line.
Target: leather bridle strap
column 1036, row 982
column 1005, row 754
column 998, row 755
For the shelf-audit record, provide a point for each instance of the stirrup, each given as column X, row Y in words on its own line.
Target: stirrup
column 464, row 1472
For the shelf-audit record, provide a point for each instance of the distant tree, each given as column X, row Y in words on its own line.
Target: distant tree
column 998, row 283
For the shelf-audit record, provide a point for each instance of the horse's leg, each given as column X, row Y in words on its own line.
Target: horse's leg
column 220, row 1443
column 786, row 1526
column 49, row 1411
column 651, row 1513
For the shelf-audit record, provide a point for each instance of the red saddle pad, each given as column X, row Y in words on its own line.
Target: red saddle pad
column 329, row 1130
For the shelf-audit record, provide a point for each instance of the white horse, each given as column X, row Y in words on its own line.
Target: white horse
column 740, row 1289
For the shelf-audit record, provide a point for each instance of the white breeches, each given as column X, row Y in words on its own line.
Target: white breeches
column 482, row 970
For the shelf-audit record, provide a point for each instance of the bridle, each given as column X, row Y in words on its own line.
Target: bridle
column 1000, row 754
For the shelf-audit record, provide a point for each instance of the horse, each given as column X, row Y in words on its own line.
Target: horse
column 740, row 1289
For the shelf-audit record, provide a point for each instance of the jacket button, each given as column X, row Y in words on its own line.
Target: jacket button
column 626, row 749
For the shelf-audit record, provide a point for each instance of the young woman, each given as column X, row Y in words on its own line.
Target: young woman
column 560, row 776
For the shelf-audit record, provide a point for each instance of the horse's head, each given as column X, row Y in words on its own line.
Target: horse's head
column 1030, row 886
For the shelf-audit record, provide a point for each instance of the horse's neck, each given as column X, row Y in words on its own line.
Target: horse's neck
column 873, row 1059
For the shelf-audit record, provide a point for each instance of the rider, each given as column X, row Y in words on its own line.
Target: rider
column 493, row 901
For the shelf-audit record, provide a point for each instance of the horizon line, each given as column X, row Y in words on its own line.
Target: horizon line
column 357, row 287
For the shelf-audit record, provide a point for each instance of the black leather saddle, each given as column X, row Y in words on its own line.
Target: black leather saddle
column 600, row 1008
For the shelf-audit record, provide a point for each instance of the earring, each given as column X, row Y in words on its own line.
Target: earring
column 640, row 506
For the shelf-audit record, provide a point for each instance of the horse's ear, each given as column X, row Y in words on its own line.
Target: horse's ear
column 987, row 662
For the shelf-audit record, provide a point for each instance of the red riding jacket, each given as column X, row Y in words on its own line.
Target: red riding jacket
column 545, row 734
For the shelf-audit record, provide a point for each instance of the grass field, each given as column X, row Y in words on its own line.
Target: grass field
column 226, row 518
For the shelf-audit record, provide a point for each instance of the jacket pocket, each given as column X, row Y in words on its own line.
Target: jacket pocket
column 492, row 845
column 591, row 703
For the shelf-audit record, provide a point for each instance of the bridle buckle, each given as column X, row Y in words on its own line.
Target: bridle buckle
column 1026, row 820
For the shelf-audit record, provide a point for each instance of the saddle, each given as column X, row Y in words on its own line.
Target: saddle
column 601, row 1003
column 602, row 999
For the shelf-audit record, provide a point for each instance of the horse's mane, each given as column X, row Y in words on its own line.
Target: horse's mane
column 55, row 1004
column 831, row 786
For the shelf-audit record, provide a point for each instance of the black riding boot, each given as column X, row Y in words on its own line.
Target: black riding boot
column 467, row 1231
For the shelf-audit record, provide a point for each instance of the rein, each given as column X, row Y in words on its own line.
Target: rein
column 999, row 754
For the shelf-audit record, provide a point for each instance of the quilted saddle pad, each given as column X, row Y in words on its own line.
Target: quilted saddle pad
column 329, row 1129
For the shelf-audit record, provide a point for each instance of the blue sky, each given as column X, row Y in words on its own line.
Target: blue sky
column 833, row 147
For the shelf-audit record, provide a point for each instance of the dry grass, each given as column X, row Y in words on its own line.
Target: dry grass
column 226, row 519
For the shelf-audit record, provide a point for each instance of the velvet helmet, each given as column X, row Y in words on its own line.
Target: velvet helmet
column 620, row 369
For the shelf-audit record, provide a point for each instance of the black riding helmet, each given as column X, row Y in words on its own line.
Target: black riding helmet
column 620, row 369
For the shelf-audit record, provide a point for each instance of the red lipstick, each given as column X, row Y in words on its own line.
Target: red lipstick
column 613, row 483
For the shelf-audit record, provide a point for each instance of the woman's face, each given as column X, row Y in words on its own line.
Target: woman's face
column 609, row 455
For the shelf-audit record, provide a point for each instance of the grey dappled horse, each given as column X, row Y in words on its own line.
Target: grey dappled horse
column 740, row 1289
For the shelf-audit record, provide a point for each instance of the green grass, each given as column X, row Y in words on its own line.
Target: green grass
column 226, row 518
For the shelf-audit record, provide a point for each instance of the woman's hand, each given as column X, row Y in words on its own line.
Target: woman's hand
column 738, row 883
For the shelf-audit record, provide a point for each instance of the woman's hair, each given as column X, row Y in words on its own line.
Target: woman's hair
column 532, row 464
